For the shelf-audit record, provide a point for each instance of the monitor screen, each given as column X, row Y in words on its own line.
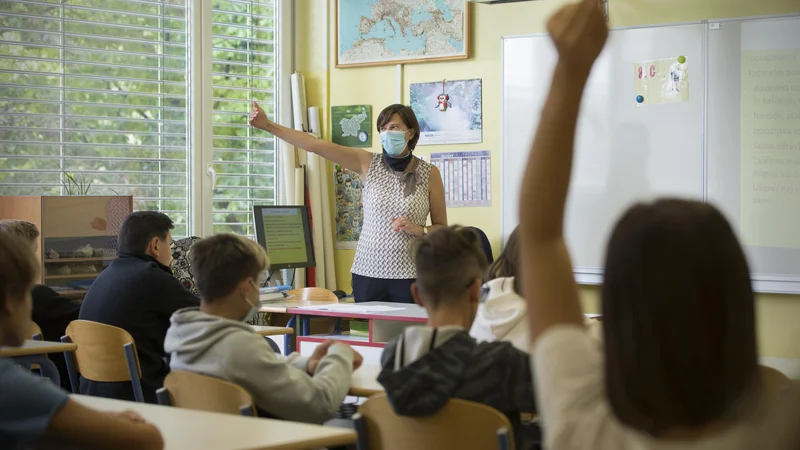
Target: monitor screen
column 285, row 231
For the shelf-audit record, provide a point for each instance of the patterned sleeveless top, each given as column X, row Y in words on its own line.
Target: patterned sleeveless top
column 382, row 252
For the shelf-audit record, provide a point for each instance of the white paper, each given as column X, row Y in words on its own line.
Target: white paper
column 352, row 308
column 299, row 102
column 314, row 123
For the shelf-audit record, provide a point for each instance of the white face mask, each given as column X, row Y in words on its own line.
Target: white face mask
column 251, row 315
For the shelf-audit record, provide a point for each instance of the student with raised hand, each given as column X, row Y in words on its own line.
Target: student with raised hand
column 679, row 349
column 33, row 408
column 501, row 314
column 428, row 365
column 215, row 339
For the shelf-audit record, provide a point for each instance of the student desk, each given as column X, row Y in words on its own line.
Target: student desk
column 383, row 325
column 190, row 429
column 35, row 352
column 365, row 381
column 281, row 306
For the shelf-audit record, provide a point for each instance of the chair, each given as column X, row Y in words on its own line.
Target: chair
column 310, row 294
column 105, row 354
column 204, row 393
column 486, row 246
column 774, row 380
column 460, row 424
column 36, row 332
column 181, row 264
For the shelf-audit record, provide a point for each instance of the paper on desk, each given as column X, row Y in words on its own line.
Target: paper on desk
column 352, row 308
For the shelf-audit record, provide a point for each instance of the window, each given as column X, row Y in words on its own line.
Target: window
column 100, row 91
column 243, row 70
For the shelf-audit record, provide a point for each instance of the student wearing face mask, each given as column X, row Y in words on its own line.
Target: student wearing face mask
column 400, row 191
column 215, row 339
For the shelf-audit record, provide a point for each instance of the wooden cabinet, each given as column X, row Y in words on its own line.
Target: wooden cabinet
column 79, row 235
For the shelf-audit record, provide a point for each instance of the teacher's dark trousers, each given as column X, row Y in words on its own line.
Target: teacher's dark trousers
column 366, row 289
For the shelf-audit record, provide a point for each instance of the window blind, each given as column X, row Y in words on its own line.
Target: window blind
column 243, row 70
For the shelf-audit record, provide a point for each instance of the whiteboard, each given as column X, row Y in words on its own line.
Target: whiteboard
column 754, row 162
column 625, row 152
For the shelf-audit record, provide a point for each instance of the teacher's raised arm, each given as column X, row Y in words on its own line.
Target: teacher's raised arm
column 354, row 159
column 400, row 192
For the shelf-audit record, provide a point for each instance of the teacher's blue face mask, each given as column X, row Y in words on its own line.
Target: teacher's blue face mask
column 394, row 142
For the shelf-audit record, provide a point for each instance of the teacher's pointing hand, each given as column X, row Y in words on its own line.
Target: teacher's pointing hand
column 403, row 224
column 258, row 118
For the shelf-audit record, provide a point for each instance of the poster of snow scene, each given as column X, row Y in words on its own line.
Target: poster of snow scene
column 449, row 112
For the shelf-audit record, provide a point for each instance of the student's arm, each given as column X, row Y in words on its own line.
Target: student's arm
column 95, row 429
column 170, row 294
column 579, row 32
column 283, row 387
column 355, row 159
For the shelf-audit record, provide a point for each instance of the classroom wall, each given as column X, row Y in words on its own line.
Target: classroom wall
column 778, row 315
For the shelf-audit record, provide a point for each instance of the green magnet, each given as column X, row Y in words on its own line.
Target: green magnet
column 681, row 59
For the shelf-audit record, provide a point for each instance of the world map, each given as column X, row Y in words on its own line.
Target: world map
column 393, row 31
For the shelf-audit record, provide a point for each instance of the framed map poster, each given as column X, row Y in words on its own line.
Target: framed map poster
column 378, row 32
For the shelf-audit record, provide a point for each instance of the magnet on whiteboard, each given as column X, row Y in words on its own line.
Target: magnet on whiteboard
column 713, row 26
column 639, row 99
column 681, row 59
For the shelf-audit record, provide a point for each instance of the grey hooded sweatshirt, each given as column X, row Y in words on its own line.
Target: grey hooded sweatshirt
column 280, row 386
column 425, row 367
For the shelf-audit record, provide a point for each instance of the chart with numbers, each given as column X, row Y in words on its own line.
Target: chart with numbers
column 466, row 176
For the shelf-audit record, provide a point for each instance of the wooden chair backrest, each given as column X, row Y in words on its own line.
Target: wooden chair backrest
column 459, row 424
column 100, row 355
column 35, row 329
column 774, row 380
column 314, row 294
column 202, row 392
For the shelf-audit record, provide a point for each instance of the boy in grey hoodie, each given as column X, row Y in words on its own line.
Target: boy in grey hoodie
column 215, row 339
column 428, row 365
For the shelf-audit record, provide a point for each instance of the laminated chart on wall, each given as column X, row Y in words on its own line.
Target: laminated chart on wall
column 349, row 210
column 466, row 176
column 352, row 125
column 449, row 112
column 662, row 81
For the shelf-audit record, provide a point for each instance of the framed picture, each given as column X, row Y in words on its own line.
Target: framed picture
column 377, row 32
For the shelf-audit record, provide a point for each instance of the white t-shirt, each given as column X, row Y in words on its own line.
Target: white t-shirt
column 575, row 413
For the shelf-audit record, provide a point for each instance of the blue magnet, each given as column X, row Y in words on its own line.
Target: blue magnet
column 639, row 99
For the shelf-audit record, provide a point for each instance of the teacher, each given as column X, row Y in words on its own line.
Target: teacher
column 400, row 192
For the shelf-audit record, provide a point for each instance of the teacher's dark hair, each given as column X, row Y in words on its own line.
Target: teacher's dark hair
column 678, row 318
column 507, row 264
column 408, row 117
column 448, row 260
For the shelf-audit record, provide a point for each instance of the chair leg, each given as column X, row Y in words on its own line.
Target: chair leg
column 162, row 396
column 72, row 369
column 361, row 431
column 287, row 339
column 133, row 370
column 503, row 439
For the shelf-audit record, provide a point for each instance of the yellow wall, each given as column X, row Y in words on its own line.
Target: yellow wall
column 778, row 315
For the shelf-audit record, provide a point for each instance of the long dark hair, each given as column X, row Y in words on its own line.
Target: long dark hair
column 679, row 321
column 507, row 264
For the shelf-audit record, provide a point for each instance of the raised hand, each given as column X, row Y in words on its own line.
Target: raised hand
column 579, row 32
column 258, row 118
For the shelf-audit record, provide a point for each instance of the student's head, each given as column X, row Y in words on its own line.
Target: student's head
column 21, row 229
column 450, row 267
column 507, row 264
column 18, row 272
column 400, row 118
column 678, row 318
column 147, row 233
column 227, row 270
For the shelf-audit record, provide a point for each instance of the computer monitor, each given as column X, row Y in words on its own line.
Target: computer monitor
column 285, row 232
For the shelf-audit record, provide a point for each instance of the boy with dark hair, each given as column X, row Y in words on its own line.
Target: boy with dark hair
column 215, row 340
column 32, row 408
column 138, row 293
column 428, row 365
column 51, row 312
